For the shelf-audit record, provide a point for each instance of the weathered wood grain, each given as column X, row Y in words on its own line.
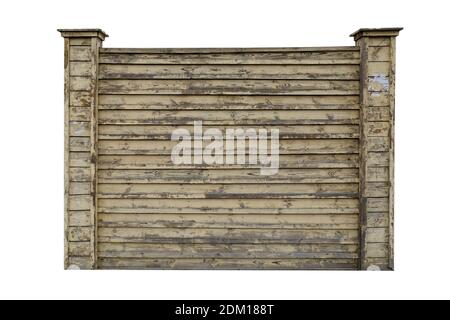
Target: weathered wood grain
column 222, row 191
column 227, row 236
column 233, row 118
column 196, row 176
column 328, row 161
column 230, row 206
column 154, row 132
column 220, row 102
column 228, row 87
column 236, row 251
column 232, row 57
column 228, row 264
column 304, row 222
column 164, row 147
column 266, row 72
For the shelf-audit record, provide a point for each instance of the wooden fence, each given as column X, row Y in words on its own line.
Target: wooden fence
column 330, row 206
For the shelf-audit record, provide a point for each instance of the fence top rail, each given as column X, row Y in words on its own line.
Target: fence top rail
column 223, row 50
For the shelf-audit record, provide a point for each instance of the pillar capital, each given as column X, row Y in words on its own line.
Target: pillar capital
column 83, row 33
column 380, row 32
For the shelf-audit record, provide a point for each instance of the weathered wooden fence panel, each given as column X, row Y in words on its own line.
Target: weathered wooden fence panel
column 330, row 206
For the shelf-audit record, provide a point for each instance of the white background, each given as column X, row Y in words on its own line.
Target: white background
column 31, row 131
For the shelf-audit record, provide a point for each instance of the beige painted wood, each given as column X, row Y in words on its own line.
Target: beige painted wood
column 81, row 74
column 164, row 147
column 234, row 206
column 227, row 87
column 155, row 132
column 329, row 207
column 269, row 72
column 228, row 264
column 222, row 191
column 377, row 138
column 238, row 251
column 302, row 56
column 230, row 236
column 229, row 176
column 236, row 118
column 245, row 221
column 226, row 102
column 315, row 161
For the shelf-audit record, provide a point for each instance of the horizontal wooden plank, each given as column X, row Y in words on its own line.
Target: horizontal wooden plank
column 80, row 53
column 230, row 206
column 79, row 218
column 80, row 83
column 79, row 159
column 234, row 118
column 195, row 176
column 79, row 249
column 258, row 72
column 164, row 147
column 218, row 102
column 223, row 191
column 79, row 174
column 79, row 129
column 312, row 56
column 377, row 235
column 78, row 234
column 229, row 87
column 227, row 236
column 228, row 264
column 304, row 222
column 80, row 202
column 229, row 50
column 152, row 132
column 285, row 162
column 79, row 188
column 235, row 251
column 79, row 144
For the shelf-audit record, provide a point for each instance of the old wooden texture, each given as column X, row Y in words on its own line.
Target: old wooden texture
column 329, row 207
column 81, row 104
column 377, row 94
column 153, row 214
